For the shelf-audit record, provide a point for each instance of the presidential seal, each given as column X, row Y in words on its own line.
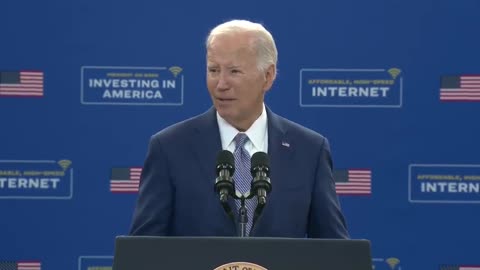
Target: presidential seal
column 240, row 266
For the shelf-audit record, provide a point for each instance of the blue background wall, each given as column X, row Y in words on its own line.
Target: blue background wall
column 425, row 39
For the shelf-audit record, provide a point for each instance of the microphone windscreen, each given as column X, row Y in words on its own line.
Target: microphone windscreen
column 260, row 159
column 225, row 157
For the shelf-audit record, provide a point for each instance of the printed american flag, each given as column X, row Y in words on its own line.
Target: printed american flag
column 460, row 88
column 125, row 180
column 460, row 267
column 21, row 84
column 21, row 265
column 353, row 181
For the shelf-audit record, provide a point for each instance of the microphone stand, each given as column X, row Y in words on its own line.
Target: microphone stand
column 242, row 212
column 243, row 218
column 257, row 213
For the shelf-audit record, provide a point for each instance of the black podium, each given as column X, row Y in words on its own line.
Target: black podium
column 231, row 253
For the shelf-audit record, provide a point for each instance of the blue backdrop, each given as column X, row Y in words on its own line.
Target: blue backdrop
column 391, row 83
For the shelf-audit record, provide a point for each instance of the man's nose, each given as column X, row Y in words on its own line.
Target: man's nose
column 222, row 81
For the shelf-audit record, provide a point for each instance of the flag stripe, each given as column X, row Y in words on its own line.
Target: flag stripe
column 463, row 98
column 353, row 187
column 461, row 90
column 17, row 86
column 34, row 73
column 20, row 89
column 343, row 185
column 20, row 93
column 353, row 192
column 24, row 265
column 448, row 95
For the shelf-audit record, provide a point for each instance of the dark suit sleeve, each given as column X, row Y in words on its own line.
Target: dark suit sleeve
column 152, row 215
column 326, row 219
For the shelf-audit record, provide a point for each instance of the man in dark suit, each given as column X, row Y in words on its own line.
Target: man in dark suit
column 176, row 195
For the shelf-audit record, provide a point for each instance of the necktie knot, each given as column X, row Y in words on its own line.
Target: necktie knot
column 240, row 140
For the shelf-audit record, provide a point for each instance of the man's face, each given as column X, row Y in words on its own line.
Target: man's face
column 235, row 84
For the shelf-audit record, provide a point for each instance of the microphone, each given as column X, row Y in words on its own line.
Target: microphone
column 260, row 170
column 225, row 169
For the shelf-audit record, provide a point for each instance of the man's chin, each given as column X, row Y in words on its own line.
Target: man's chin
column 225, row 113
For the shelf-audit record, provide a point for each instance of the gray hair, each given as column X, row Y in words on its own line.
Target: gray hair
column 263, row 42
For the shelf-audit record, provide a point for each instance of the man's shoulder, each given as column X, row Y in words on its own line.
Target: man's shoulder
column 299, row 132
column 182, row 129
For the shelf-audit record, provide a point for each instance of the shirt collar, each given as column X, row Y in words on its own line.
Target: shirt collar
column 256, row 132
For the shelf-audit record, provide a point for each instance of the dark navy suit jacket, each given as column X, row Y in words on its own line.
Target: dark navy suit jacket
column 177, row 196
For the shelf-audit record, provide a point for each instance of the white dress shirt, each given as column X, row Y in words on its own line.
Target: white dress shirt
column 257, row 134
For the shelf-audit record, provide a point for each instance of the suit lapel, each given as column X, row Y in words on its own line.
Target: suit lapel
column 206, row 147
column 280, row 154
column 280, row 150
column 207, row 144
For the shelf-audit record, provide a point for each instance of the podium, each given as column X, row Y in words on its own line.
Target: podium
column 233, row 253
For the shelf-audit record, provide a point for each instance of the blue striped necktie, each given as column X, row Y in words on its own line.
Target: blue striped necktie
column 243, row 177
